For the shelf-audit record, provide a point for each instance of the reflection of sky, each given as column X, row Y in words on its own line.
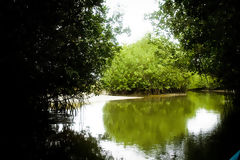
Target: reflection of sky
column 119, row 151
column 203, row 122
column 90, row 117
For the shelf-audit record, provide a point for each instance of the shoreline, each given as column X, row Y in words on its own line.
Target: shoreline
column 104, row 97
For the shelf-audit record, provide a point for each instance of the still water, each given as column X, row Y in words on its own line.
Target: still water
column 153, row 127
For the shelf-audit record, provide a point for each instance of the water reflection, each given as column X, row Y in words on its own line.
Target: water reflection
column 195, row 126
column 153, row 127
column 204, row 121
column 120, row 151
column 144, row 123
column 158, row 126
column 90, row 117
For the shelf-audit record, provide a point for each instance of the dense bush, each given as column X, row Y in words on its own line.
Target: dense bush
column 148, row 66
column 152, row 66
column 203, row 82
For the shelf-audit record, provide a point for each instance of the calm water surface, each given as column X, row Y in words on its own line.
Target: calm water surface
column 153, row 127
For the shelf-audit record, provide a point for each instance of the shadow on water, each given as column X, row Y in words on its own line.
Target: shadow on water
column 68, row 144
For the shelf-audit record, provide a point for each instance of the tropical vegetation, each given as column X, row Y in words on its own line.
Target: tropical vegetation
column 153, row 66
column 209, row 31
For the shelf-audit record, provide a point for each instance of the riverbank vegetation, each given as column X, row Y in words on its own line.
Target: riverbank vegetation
column 209, row 32
column 153, row 66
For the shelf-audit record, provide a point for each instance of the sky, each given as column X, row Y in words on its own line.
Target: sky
column 133, row 17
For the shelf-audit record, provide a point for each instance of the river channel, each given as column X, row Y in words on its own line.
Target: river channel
column 152, row 127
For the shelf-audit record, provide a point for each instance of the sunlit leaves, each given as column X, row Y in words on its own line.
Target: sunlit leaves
column 148, row 66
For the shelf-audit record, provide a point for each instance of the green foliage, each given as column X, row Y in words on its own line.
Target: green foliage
column 203, row 82
column 209, row 30
column 148, row 66
column 53, row 48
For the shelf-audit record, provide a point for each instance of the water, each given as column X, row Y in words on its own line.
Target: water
column 153, row 127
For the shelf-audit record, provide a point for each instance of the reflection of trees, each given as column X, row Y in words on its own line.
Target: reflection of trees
column 147, row 122
column 209, row 101
column 153, row 121
column 43, row 141
column 71, row 145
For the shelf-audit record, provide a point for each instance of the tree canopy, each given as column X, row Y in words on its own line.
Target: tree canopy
column 53, row 48
column 152, row 66
column 209, row 30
